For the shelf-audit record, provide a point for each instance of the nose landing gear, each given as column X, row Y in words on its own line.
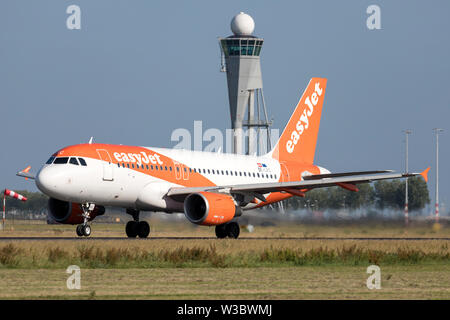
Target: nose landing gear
column 136, row 228
column 85, row 229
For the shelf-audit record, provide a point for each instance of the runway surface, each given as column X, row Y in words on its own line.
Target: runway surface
column 214, row 238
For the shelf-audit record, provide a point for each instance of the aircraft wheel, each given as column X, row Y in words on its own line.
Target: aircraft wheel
column 86, row 229
column 232, row 230
column 131, row 229
column 221, row 231
column 79, row 231
column 143, row 229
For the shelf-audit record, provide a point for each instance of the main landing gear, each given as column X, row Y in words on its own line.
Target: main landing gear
column 136, row 228
column 85, row 229
column 230, row 230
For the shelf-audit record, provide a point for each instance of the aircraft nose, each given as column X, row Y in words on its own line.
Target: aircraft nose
column 47, row 180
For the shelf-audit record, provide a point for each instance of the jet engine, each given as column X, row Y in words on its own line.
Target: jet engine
column 70, row 213
column 210, row 209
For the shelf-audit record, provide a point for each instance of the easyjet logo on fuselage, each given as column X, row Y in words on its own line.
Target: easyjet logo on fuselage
column 139, row 158
column 303, row 122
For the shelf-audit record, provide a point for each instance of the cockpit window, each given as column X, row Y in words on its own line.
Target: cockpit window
column 82, row 161
column 50, row 161
column 73, row 161
column 61, row 160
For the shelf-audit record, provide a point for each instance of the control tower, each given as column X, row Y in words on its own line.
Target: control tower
column 240, row 60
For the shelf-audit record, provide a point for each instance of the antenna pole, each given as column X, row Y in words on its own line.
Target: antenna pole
column 436, row 212
column 407, row 133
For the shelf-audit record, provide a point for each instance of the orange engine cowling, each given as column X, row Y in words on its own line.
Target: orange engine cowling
column 210, row 209
column 70, row 213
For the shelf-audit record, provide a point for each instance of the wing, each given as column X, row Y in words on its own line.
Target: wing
column 344, row 180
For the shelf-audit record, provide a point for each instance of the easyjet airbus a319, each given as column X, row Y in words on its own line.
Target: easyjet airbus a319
column 211, row 189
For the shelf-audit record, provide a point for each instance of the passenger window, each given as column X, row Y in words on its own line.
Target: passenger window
column 62, row 160
column 160, row 167
column 132, row 165
column 156, row 167
column 165, row 168
column 128, row 165
column 208, row 171
column 226, row 171
column 222, row 172
column 146, row 166
column 184, row 169
column 73, row 161
column 231, row 172
column 190, row 170
column 50, row 161
column 170, row 168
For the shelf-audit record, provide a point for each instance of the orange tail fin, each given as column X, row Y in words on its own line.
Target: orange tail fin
column 298, row 140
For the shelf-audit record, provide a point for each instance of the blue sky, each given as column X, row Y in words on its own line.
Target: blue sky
column 137, row 70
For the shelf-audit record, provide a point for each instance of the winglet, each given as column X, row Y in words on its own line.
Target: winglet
column 26, row 170
column 25, row 173
column 424, row 174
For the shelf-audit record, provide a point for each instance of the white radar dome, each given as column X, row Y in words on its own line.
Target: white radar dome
column 242, row 24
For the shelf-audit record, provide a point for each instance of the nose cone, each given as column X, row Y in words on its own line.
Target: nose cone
column 48, row 180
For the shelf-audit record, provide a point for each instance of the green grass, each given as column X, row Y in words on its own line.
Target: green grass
column 94, row 256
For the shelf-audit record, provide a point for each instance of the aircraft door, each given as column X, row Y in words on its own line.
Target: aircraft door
column 185, row 173
column 284, row 173
column 177, row 169
column 108, row 167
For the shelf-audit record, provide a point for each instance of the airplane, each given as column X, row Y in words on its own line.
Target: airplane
column 211, row 189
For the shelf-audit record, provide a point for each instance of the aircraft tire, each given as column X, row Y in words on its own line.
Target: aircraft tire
column 232, row 230
column 131, row 229
column 221, row 231
column 86, row 230
column 143, row 229
column 79, row 231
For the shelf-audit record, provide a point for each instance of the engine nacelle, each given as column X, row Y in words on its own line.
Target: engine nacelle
column 70, row 213
column 209, row 209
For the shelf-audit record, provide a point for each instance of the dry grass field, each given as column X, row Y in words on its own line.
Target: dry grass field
column 324, row 282
column 277, row 267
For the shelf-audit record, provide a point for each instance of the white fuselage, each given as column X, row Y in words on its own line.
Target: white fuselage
column 117, row 183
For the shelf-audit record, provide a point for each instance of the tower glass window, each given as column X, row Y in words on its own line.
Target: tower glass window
column 241, row 47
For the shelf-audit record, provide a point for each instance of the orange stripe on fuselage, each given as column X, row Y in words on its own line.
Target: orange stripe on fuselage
column 135, row 155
